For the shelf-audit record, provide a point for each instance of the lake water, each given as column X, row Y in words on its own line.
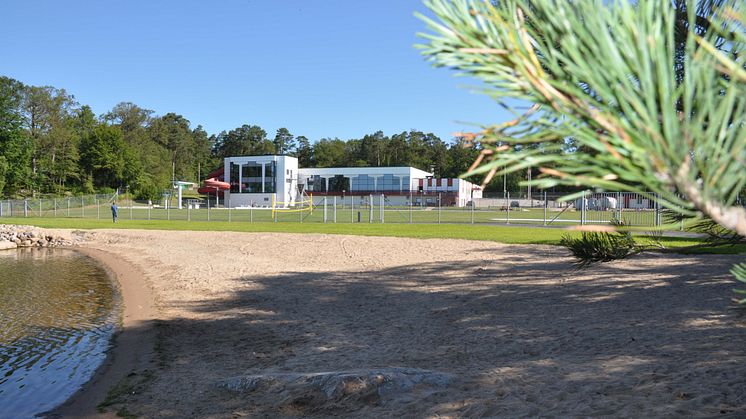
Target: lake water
column 57, row 316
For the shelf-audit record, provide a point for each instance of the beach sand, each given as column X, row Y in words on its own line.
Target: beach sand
column 515, row 329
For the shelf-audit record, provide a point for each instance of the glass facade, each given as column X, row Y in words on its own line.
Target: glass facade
column 389, row 183
column 234, row 178
column 339, row 183
column 316, row 183
column 270, row 175
column 363, row 183
column 251, row 178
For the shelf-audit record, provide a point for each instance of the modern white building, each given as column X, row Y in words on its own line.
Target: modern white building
column 361, row 180
column 256, row 180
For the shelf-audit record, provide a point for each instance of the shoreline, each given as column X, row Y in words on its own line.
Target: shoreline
column 133, row 342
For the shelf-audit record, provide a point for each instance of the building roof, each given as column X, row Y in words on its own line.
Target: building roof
column 375, row 171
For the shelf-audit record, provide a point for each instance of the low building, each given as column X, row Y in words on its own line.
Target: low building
column 452, row 191
column 361, row 180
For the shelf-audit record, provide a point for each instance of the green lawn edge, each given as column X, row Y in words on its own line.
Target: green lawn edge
column 493, row 233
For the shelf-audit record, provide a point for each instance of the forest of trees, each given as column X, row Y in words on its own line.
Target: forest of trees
column 52, row 145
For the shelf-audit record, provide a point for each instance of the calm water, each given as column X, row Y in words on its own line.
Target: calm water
column 56, row 321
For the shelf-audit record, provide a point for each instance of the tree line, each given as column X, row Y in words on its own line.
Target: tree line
column 51, row 144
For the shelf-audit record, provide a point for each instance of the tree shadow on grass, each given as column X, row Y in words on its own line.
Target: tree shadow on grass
column 629, row 338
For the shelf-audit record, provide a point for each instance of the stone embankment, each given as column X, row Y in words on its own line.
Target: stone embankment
column 14, row 236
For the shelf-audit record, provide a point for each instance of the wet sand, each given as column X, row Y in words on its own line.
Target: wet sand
column 520, row 331
column 133, row 343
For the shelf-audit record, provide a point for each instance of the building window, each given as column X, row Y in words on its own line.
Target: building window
column 251, row 178
column 405, row 185
column 389, row 183
column 234, row 181
column 316, row 183
column 363, row 183
column 339, row 183
column 270, row 175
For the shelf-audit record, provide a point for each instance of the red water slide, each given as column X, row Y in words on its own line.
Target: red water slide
column 214, row 183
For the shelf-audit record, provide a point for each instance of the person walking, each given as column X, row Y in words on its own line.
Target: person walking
column 114, row 211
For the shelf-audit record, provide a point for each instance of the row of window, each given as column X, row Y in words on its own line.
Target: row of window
column 251, row 178
column 359, row 183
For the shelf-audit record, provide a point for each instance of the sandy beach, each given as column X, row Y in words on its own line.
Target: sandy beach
column 267, row 325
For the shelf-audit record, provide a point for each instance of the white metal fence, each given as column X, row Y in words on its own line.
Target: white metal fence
column 592, row 208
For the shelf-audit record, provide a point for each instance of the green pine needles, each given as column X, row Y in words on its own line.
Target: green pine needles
column 594, row 247
column 646, row 96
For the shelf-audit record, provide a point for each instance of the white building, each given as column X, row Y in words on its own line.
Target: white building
column 452, row 191
column 256, row 180
column 361, row 180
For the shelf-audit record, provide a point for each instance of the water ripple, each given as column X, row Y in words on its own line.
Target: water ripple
column 56, row 322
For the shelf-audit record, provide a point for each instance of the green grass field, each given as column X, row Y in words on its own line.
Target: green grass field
column 240, row 223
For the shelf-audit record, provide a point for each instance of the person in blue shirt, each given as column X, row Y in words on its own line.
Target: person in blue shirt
column 114, row 211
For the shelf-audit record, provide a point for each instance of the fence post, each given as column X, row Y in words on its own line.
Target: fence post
column 98, row 210
column 55, row 207
column 352, row 209
column 619, row 206
column 335, row 208
column 168, row 210
column 82, row 207
column 132, row 204
column 410, row 208
column 583, row 205
column 68, row 207
column 324, row 210
column 507, row 208
column 150, row 207
column 546, row 204
column 370, row 212
column 439, row 196
column 40, row 213
column 25, row 207
column 657, row 210
column 381, row 207
column 209, row 210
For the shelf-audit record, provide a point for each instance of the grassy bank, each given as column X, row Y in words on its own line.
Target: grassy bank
column 496, row 233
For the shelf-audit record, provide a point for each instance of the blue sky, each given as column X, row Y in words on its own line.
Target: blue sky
column 321, row 68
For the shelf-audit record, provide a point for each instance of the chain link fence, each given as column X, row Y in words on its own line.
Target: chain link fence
column 417, row 208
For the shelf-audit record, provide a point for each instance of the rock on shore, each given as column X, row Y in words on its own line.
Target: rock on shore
column 15, row 236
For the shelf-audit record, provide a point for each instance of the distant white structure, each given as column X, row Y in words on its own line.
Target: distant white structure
column 597, row 203
column 180, row 186
column 452, row 191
